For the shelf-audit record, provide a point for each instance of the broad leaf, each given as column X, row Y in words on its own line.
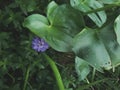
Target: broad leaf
column 58, row 28
column 67, row 19
column 82, row 68
column 37, row 23
column 109, row 39
column 98, row 47
column 58, row 40
column 51, row 7
column 98, row 18
column 89, row 47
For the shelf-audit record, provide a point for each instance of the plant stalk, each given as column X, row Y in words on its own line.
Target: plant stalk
column 93, row 74
column 26, row 78
column 103, row 8
column 55, row 71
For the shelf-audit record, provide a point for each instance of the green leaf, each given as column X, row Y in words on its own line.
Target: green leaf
column 89, row 47
column 82, row 68
column 98, row 18
column 58, row 28
column 117, row 28
column 109, row 39
column 58, row 40
column 67, row 19
column 50, row 8
column 37, row 23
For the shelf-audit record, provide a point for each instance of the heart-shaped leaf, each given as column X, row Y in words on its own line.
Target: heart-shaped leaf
column 58, row 28
column 98, row 47
column 67, row 19
column 89, row 47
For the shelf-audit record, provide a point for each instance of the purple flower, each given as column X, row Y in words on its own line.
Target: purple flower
column 39, row 45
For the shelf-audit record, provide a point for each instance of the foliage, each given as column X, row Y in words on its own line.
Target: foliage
column 65, row 32
column 87, row 28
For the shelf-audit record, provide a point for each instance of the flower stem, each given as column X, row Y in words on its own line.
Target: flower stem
column 56, row 72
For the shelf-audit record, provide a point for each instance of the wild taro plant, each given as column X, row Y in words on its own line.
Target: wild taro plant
column 65, row 28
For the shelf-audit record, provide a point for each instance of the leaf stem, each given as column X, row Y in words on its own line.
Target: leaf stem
column 26, row 78
column 89, row 83
column 55, row 71
column 103, row 8
column 93, row 74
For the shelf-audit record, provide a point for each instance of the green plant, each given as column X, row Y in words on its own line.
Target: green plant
column 64, row 29
column 70, row 25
